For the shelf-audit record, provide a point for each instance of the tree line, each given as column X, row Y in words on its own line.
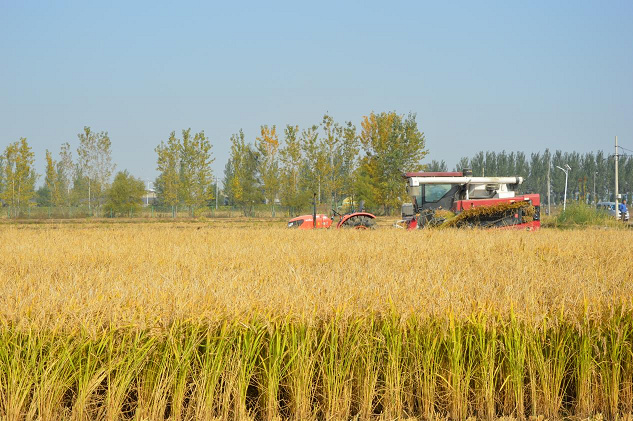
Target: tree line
column 591, row 171
column 335, row 162
column 69, row 181
column 340, row 164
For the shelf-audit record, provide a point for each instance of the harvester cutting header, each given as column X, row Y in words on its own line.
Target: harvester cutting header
column 458, row 199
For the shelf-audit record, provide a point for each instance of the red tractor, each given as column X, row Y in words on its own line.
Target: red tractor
column 355, row 220
column 460, row 200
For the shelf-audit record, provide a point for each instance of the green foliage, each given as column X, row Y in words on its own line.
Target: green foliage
column 437, row 166
column 364, row 185
column 291, row 160
column 312, row 162
column 348, row 155
column 168, row 163
column 80, row 193
column 125, row 196
column 242, row 183
column 43, row 197
column 268, row 164
column 392, row 144
column 185, row 171
column 580, row 214
column 18, row 188
column 320, row 159
column 196, row 176
column 585, row 170
column 51, row 183
column 95, row 163
column 330, row 164
column 65, row 174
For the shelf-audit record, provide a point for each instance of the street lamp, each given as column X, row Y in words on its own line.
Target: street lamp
column 566, row 171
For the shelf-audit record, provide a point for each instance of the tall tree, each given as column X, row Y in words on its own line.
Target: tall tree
column 65, row 173
column 584, row 169
column 392, row 144
column 95, row 163
column 521, row 168
column 490, row 166
column 51, row 184
column 267, row 147
column 196, row 176
column 185, row 174
column 462, row 164
column 125, row 196
column 478, row 164
column 503, row 164
column 348, row 155
column 241, row 183
column 168, row 164
column 330, row 163
column 8, row 190
column 19, row 176
column 228, row 178
column 437, row 166
column 312, row 162
column 602, row 188
column 203, row 191
column 291, row 158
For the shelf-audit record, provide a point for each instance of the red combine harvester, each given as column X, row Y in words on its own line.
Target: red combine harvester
column 460, row 200
column 355, row 220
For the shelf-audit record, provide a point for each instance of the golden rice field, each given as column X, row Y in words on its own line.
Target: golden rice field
column 197, row 321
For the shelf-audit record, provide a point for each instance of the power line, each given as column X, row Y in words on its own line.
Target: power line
column 626, row 155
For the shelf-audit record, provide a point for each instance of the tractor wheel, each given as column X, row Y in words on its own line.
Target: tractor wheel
column 360, row 223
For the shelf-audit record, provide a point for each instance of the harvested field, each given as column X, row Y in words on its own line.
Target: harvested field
column 191, row 321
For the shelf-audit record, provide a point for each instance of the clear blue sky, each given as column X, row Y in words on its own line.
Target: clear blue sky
column 479, row 75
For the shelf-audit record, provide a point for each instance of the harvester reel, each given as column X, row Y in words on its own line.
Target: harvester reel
column 360, row 222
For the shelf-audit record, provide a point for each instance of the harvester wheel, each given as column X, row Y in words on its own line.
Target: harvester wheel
column 360, row 223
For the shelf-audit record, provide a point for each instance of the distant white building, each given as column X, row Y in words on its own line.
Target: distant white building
column 150, row 197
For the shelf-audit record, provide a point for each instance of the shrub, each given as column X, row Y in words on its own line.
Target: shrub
column 580, row 214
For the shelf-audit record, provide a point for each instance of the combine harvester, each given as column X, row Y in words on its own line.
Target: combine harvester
column 448, row 199
column 457, row 199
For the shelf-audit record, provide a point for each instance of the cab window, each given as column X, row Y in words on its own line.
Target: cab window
column 434, row 192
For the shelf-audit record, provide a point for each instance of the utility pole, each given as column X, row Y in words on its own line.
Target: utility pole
column 89, row 193
column 616, row 175
column 549, row 188
column 216, row 194
column 593, row 197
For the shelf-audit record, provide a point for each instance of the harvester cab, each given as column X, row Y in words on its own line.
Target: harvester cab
column 458, row 199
